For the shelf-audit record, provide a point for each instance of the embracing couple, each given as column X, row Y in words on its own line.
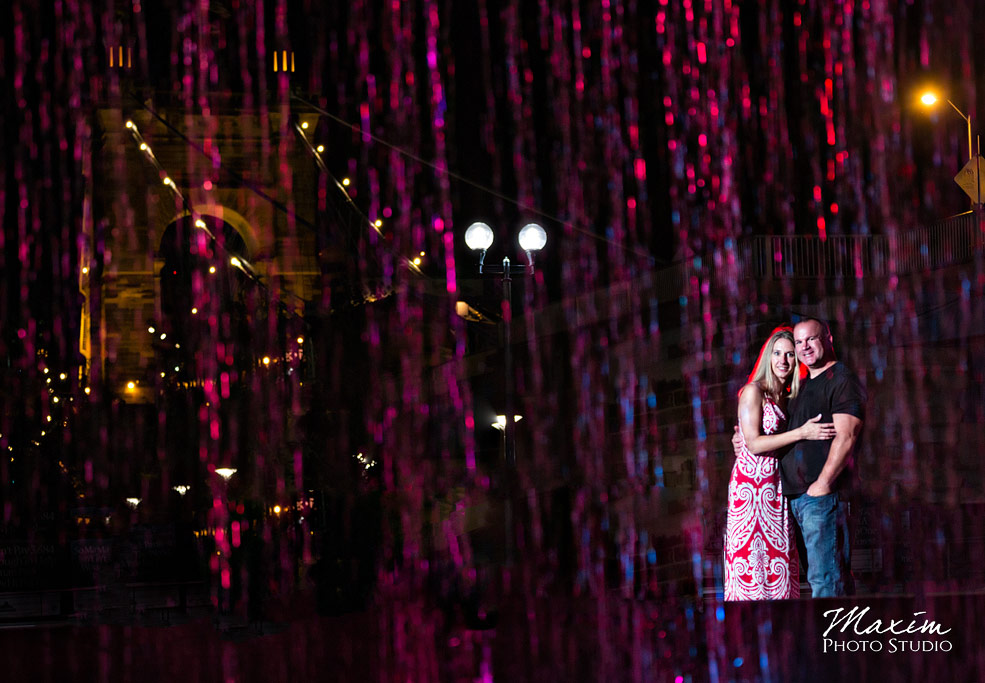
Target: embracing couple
column 793, row 466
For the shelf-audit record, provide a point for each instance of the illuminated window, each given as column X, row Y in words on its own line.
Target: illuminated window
column 283, row 61
column 120, row 57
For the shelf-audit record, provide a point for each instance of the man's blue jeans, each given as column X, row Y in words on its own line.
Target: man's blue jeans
column 823, row 521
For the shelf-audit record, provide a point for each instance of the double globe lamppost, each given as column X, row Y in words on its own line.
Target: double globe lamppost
column 532, row 238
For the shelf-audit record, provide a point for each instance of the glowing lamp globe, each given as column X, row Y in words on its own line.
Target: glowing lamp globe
column 532, row 237
column 500, row 422
column 479, row 237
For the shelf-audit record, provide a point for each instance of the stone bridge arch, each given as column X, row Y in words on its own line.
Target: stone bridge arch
column 271, row 207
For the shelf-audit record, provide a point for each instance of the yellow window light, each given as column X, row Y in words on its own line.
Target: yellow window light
column 116, row 57
column 280, row 61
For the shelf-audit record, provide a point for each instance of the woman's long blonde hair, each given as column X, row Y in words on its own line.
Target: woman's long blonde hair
column 762, row 373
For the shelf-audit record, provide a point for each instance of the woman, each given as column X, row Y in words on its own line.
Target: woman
column 760, row 553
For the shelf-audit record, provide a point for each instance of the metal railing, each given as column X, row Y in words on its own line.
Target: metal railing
column 947, row 242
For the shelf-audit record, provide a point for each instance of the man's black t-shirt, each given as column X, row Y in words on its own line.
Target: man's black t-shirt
column 836, row 390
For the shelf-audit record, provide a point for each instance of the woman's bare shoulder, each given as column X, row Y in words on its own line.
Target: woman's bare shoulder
column 751, row 392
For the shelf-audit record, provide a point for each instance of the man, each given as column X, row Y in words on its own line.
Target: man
column 817, row 475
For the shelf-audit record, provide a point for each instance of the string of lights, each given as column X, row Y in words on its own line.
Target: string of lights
column 61, row 400
column 525, row 208
column 316, row 151
column 237, row 261
column 413, row 262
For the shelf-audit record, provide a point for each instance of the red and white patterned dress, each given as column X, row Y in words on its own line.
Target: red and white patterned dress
column 761, row 560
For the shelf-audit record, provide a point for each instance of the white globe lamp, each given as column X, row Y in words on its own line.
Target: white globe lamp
column 479, row 236
column 532, row 237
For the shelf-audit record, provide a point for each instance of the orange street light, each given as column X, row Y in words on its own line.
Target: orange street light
column 930, row 99
column 969, row 179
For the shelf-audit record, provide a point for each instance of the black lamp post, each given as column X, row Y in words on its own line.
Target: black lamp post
column 532, row 237
column 931, row 99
